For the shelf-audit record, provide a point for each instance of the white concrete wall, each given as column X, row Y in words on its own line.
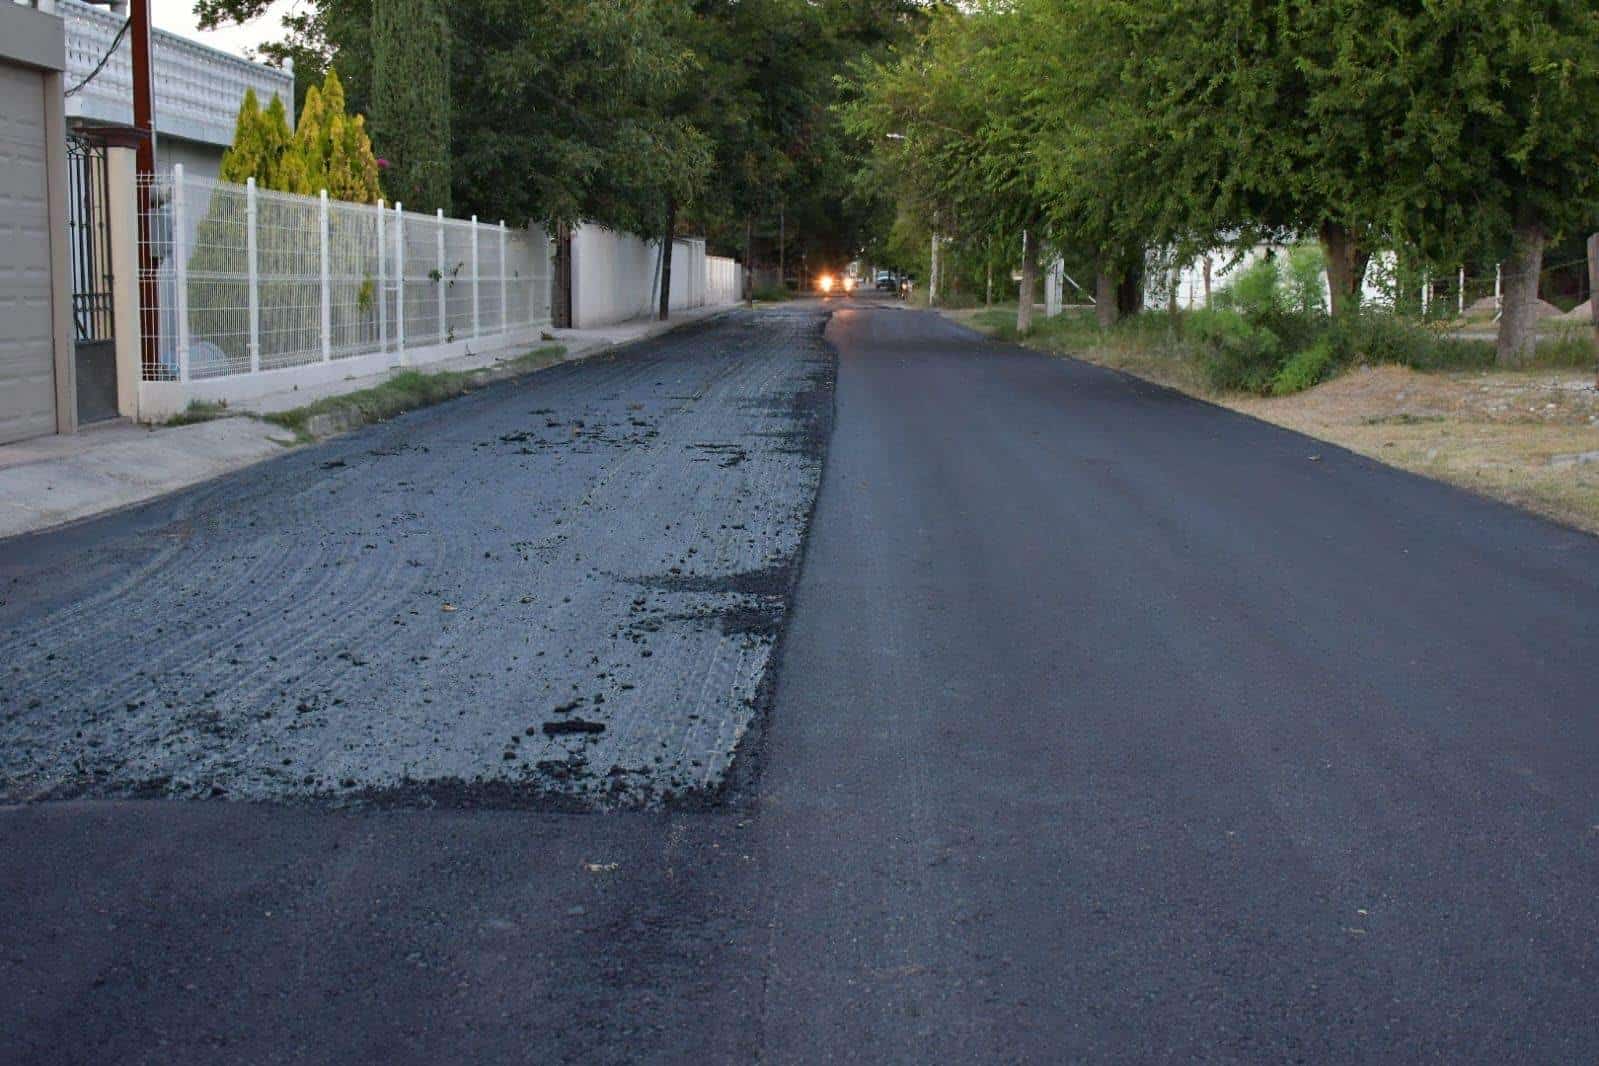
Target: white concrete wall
column 616, row 276
column 612, row 276
column 722, row 281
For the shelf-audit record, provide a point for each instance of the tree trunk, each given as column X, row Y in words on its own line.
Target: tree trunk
column 988, row 257
column 666, row 260
column 1593, row 296
column 1518, row 326
column 561, row 281
column 1105, row 306
column 1024, row 298
column 933, row 279
column 1130, row 293
column 749, row 260
column 1346, row 267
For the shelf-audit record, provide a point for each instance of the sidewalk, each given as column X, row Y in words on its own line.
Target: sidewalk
column 48, row 481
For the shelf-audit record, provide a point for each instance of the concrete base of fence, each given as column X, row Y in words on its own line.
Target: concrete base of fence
column 160, row 400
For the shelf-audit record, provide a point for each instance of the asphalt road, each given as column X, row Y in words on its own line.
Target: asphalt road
column 1101, row 725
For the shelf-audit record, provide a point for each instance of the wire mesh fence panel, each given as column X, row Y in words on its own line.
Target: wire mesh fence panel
column 540, row 271
column 421, row 281
column 289, row 272
column 158, row 331
column 216, row 239
column 527, row 290
column 490, row 319
column 353, row 271
column 458, row 263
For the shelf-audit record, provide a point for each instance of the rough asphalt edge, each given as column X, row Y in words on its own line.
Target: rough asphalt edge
column 815, row 411
column 487, row 378
column 1335, row 448
column 739, row 787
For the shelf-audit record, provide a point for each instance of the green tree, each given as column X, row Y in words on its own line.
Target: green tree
column 951, row 128
column 1494, row 155
column 411, row 79
column 328, row 149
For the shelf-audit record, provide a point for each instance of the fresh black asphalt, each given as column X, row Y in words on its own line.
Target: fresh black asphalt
column 1104, row 725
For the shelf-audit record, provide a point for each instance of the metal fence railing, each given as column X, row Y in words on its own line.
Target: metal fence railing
column 240, row 280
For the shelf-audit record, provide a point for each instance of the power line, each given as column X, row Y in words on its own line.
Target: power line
column 116, row 42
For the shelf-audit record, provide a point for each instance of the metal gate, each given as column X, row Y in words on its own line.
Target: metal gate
column 89, row 238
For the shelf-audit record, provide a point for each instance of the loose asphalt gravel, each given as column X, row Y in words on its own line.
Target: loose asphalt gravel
column 563, row 588
column 1101, row 725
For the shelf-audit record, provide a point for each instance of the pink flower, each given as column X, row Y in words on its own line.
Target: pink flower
column 383, row 164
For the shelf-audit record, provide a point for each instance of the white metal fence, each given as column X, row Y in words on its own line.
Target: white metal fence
column 239, row 280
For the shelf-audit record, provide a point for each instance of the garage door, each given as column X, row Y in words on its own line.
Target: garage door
column 27, row 364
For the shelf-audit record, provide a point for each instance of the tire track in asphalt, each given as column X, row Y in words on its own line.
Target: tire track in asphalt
column 401, row 614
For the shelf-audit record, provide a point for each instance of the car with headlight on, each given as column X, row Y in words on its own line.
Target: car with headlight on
column 835, row 284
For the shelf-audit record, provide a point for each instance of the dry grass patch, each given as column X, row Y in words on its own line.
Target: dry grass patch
column 1529, row 438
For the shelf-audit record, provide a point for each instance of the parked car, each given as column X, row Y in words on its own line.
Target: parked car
column 886, row 281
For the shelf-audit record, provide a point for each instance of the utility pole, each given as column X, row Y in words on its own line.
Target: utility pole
column 144, row 164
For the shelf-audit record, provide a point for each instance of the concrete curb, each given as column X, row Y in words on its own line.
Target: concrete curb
column 333, row 423
column 55, row 481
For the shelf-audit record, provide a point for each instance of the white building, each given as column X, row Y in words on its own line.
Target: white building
column 198, row 89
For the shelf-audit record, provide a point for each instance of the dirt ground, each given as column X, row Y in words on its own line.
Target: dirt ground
column 1530, row 438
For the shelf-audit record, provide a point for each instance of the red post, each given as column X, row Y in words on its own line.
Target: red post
column 144, row 123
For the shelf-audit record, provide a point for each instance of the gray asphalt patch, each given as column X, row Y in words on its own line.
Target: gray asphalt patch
column 563, row 589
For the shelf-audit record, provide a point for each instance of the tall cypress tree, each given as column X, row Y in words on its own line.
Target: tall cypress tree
column 411, row 100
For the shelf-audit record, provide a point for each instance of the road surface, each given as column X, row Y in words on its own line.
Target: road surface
column 1051, row 716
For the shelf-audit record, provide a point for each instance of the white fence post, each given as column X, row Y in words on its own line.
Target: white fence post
column 1461, row 299
column 444, row 318
column 477, row 323
column 327, row 280
column 180, row 269
column 505, row 310
column 399, row 280
column 251, row 219
column 382, row 293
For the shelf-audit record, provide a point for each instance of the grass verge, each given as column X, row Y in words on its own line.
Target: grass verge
column 405, row 391
column 199, row 411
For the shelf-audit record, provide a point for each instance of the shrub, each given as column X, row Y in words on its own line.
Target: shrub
column 1256, row 292
column 1377, row 338
column 1570, row 348
column 1306, row 285
column 1235, row 354
column 1269, row 310
column 1306, row 368
column 773, row 293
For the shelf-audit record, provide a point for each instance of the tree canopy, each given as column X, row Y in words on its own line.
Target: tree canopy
column 623, row 111
column 1450, row 131
column 329, row 148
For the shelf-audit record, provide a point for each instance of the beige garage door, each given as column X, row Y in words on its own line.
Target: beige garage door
column 27, row 367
